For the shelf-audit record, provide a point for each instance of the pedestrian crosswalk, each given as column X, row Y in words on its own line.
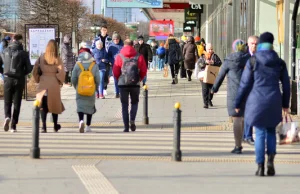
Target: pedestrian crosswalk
column 201, row 145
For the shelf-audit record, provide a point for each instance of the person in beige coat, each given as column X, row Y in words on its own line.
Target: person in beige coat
column 49, row 72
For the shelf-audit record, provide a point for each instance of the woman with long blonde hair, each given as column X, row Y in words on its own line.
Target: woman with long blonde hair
column 49, row 72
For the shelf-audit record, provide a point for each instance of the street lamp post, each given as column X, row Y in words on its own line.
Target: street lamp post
column 95, row 29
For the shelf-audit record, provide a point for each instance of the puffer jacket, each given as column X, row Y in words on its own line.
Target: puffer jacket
column 113, row 50
column 67, row 56
column 261, row 81
column 190, row 54
column 172, row 46
column 233, row 67
column 98, row 56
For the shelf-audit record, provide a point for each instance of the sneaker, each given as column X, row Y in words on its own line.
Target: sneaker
column 205, row 106
column 126, row 130
column 132, row 126
column 13, row 130
column 97, row 95
column 102, row 97
column 237, row 150
column 81, row 127
column 6, row 124
column 87, row 129
column 210, row 103
column 104, row 92
column 176, row 79
column 173, row 82
column 117, row 95
column 189, row 79
column 249, row 141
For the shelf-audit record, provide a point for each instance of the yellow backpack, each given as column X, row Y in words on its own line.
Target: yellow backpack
column 200, row 49
column 86, row 82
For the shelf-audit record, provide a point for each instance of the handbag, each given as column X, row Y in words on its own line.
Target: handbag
column 288, row 131
column 166, row 72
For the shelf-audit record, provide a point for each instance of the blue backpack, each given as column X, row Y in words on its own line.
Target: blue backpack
column 161, row 52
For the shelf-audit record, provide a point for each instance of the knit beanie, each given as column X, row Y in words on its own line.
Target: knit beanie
column 140, row 38
column 116, row 36
column 238, row 45
column 266, row 37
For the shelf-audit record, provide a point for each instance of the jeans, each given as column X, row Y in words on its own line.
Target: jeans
column 134, row 93
column 154, row 62
column 13, row 91
column 161, row 63
column 116, row 86
column 144, row 80
column 264, row 135
column 248, row 131
column 102, row 84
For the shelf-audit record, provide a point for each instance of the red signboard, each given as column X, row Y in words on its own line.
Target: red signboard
column 161, row 28
column 172, row 7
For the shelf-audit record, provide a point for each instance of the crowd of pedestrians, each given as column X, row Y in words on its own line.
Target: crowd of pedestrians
column 253, row 71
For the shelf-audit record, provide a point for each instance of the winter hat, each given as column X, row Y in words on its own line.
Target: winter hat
column 238, row 45
column 141, row 38
column 161, row 44
column 116, row 36
column 7, row 38
column 197, row 39
column 266, row 37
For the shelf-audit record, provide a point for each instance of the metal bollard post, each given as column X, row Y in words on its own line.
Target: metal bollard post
column 146, row 118
column 176, row 153
column 35, row 150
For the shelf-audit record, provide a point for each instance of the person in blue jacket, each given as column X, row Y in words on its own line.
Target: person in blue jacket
column 265, row 101
column 113, row 50
column 101, row 58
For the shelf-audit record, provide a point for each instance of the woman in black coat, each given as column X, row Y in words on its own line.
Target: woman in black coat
column 233, row 67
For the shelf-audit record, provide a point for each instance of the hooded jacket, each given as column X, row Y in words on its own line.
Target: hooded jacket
column 106, row 43
column 190, row 54
column 99, row 55
column 172, row 46
column 129, row 52
column 233, row 67
column 261, row 81
column 21, row 61
column 113, row 50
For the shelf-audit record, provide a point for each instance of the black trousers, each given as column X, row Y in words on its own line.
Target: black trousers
column 44, row 112
column 68, row 77
column 88, row 118
column 13, row 91
column 183, row 70
column 207, row 96
column 174, row 69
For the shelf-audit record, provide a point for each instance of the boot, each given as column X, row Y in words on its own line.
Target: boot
column 173, row 82
column 270, row 165
column 260, row 170
column 57, row 127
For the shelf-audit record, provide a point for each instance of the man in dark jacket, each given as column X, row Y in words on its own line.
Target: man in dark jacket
column 16, row 67
column 103, row 36
column 145, row 50
column 129, row 90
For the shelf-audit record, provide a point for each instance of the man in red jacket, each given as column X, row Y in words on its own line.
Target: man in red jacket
column 129, row 69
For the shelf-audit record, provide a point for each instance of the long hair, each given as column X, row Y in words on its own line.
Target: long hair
column 51, row 54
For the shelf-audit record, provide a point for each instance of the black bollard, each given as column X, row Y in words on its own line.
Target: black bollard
column 146, row 118
column 35, row 150
column 176, row 153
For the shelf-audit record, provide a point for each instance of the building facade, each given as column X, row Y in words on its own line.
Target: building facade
column 9, row 14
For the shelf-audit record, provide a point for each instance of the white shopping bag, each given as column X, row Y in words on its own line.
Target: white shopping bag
column 289, row 131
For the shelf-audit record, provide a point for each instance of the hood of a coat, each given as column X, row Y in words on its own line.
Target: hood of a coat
column 239, row 58
column 15, row 46
column 172, row 41
column 267, row 57
column 128, row 51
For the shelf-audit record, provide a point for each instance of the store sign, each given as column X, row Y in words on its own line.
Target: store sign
column 189, row 16
column 135, row 3
column 191, row 23
column 187, row 28
column 196, row 8
column 161, row 28
column 172, row 7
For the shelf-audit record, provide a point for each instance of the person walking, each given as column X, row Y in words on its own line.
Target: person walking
column 85, row 104
column 265, row 101
column 16, row 66
column 49, row 73
column 173, row 57
column 103, row 36
column 183, row 41
column 145, row 50
column 101, row 58
column 153, row 65
column 190, row 55
column 67, row 58
column 129, row 64
column 113, row 50
column 209, row 58
column 233, row 67
column 161, row 55
column 248, row 130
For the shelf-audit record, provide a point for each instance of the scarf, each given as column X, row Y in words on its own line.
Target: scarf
column 208, row 55
column 264, row 46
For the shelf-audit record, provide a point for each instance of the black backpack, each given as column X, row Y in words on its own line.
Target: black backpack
column 130, row 70
column 12, row 63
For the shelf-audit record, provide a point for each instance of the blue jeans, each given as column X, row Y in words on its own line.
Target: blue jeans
column 248, row 131
column 154, row 62
column 161, row 63
column 101, row 85
column 144, row 80
column 134, row 93
column 264, row 135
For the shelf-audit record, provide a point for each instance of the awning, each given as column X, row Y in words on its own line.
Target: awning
column 200, row 1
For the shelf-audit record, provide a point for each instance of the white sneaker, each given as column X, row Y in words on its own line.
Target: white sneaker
column 81, row 127
column 6, row 124
column 13, row 130
column 87, row 129
column 104, row 92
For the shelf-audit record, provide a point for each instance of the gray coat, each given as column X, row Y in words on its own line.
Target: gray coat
column 85, row 104
column 233, row 67
column 67, row 56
